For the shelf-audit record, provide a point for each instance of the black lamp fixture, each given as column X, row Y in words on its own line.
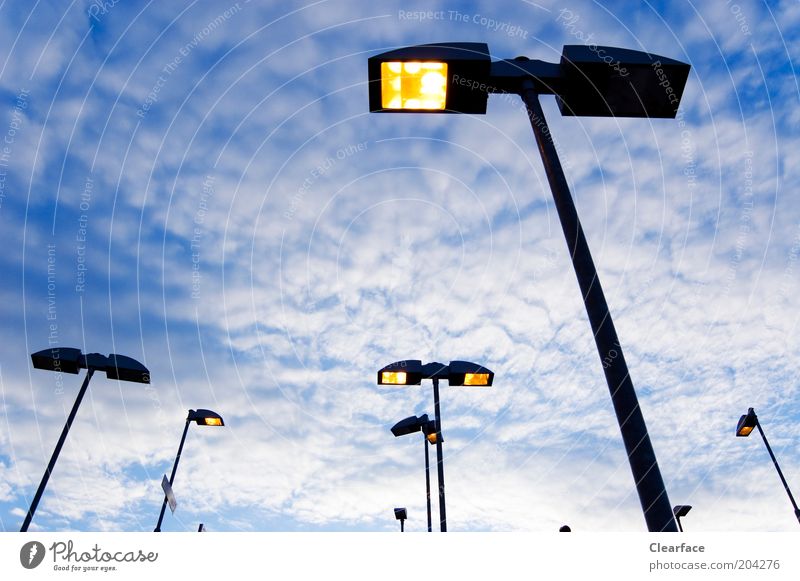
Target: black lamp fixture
column 457, row 373
column 743, row 429
column 680, row 511
column 599, row 81
column 72, row 360
column 401, row 515
column 414, row 424
column 201, row 417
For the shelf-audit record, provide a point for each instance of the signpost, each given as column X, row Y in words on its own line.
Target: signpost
column 168, row 492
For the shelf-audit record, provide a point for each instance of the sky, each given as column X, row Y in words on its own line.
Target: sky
column 201, row 186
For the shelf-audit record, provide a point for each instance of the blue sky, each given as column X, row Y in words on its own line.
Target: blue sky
column 212, row 198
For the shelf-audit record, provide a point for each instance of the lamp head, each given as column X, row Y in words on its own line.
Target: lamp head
column 429, row 429
column 605, row 81
column 468, row 373
column 71, row 360
column 407, row 372
column 400, row 514
column 430, row 78
column 205, row 418
column 746, row 424
column 681, row 510
column 63, row 359
column 409, row 425
column 126, row 369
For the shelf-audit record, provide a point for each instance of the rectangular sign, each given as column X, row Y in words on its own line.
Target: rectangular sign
column 170, row 495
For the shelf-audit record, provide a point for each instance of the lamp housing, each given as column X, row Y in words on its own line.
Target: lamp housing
column 468, row 373
column 205, row 417
column 409, row 425
column 406, row 372
column 63, row 359
column 747, row 424
column 71, row 360
column 464, row 66
column 606, row 81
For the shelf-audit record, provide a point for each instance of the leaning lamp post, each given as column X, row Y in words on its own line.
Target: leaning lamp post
column 458, row 373
column 411, row 425
column 588, row 81
column 202, row 418
column 746, row 424
column 71, row 360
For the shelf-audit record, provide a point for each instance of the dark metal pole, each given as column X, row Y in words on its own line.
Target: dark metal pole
column 428, row 482
column 642, row 457
column 778, row 468
column 439, row 456
column 172, row 477
column 677, row 520
column 56, row 452
column 402, row 525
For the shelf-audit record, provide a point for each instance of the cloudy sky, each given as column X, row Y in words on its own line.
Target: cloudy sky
column 200, row 186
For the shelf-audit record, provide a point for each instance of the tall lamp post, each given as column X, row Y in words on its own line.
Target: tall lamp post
column 202, row 418
column 588, row 81
column 412, row 372
column 743, row 429
column 422, row 424
column 71, row 360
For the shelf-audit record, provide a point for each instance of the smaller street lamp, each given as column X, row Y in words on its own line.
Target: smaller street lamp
column 401, row 515
column 743, row 429
column 422, row 424
column 458, row 373
column 71, row 360
column 202, row 418
column 680, row 511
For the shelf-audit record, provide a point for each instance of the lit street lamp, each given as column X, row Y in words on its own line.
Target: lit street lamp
column 746, row 424
column 422, row 424
column 588, row 80
column 71, row 360
column 202, row 418
column 412, row 372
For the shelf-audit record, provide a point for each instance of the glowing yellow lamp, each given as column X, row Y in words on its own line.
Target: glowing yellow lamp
column 393, row 377
column 476, row 379
column 414, row 85
column 212, row 421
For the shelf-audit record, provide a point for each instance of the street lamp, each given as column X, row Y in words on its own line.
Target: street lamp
column 412, row 372
column 746, row 424
column 680, row 511
column 202, row 418
column 71, row 360
column 401, row 515
column 422, row 424
column 588, row 80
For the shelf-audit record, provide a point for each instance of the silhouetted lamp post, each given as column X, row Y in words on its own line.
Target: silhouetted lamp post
column 422, row 424
column 71, row 360
column 746, row 424
column 202, row 418
column 681, row 511
column 589, row 80
column 412, row 372
column 401, row 515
